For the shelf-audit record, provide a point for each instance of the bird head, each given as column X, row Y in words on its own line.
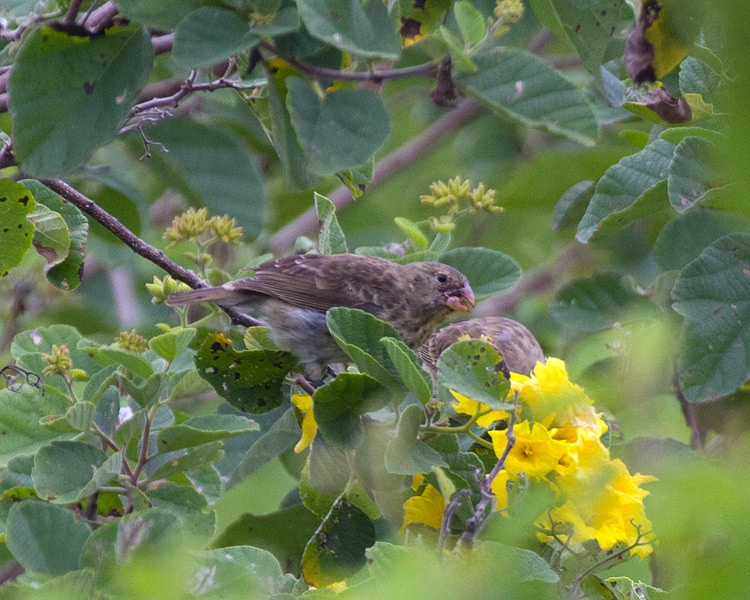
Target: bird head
column 441, row 285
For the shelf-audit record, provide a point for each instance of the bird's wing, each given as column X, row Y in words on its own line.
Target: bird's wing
column 320, row 282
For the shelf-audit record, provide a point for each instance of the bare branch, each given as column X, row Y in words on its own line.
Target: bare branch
column 70, row 16
column 136, row 244
column 397, row 160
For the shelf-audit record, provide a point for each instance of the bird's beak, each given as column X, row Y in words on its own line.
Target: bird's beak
column 460, row 300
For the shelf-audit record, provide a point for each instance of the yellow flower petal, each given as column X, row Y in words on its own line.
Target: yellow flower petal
column 499, row 487
column 535, row 452
column 427, row 509
column 467, row 406
column 309, row 427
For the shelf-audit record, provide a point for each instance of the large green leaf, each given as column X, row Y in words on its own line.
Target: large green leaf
column 693, row 173
column 407, row 454
column 212, row 168
column 252, row 570
column 338, row 405
column 62, row 469
column 524, row 565
column 106, row 355
column 340, row 131
column 69, row 94
column 475, row 370
column 201, row 430
column 16, row 232
column 172, row 344
column 358, row 333
column 284, row 534
column 362, row 28
column 250, row 380
column 517, row 84
column 328, row 468
column 208, row 36
column 163, row 15
column 67, row 274
column 712, row 293
column 283, row 434
column 45, row 538
column 489, row 272
column 622, row 186
column 194, row 458
column 571, row 206
column 337, row 550
column 589, row 28
column 20, row 413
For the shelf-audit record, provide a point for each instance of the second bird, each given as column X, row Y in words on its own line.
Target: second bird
column 292, row 295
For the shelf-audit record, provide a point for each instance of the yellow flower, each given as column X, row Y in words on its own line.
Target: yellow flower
column 499, row 487
column 550, row 394
column 309, row 427
column 535, row 451
column 607, row 507
column 583, row 449
column 467, row 406
column 427, row 509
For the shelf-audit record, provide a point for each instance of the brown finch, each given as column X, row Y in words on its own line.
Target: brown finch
column 516, row 344
column 292, row 295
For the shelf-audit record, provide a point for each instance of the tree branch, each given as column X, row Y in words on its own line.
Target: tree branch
column 398, row 159
column 136, row 244
column 70, row 16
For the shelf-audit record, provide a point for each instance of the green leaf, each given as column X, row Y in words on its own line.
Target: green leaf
column 696, row 77
column 284, row 21
column 208, row 36
column 407, row 454
column 571, row 206
column 149, row 392
column 405, row 361
column 226, row 570
column 81, row 415
column 340, row 131
column 284, row 139
column 369, row 458
column 517, row 84
column 99, row 383
column 328, row 468
column 589, row 28
column 674, row 135
column 250, row 380
column 693, row 173
column 163, row 15
column 106, row 355
column 593, row 304
column 282, row 435
column 194, row 458
column 211, row 168
column 474, row 369
column 525, row 565
column 338, row 405
column 621, row 186
column 470, row 22
column 331, row 238
column 337, row 549
column 412, row 231
column 16, row 232
column 284, row 534
column 683, row 238
column 110, row 470
column 358, row 333
column 172, row 344
column 625, row 588
column 461, row 464
column 69, row 94
column 489, row 272
column 712, row 294
column 20, row 413
column 188, row 503
column 201, row 430
column 362, row 28
column 42, row 339
column 67, row 274
column 62, row 469
column 45, row 538
column 51, row 235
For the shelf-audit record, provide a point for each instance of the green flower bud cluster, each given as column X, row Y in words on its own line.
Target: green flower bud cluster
column 160, row 289
column 130, row 340
column 458, row 196
column 191, row 224
column 59, row 362
column 508, row 11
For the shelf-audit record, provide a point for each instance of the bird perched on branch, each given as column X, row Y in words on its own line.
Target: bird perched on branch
column 292, row 295
column 516, row 344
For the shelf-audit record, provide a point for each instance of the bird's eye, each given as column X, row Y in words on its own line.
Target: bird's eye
column 442, row 278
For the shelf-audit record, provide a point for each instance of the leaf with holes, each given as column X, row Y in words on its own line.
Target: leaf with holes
column 69, row 94
column 250, row 380
column 16, row 232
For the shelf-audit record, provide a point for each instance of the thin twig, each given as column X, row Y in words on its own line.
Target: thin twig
column 70, row 16
column 445, row 527
column 428, row 69
column 143, row 455
column 304, row 384
column 136, row 244
column 397, row 160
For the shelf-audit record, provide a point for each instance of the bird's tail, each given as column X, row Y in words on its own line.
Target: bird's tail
column 217, row 295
